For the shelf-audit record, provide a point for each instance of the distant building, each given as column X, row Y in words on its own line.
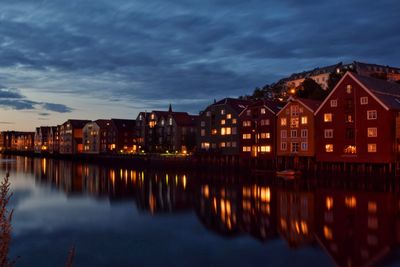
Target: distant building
column 16, row 141
column 54, row 139
column 258, row 130
column 95, row 136
column 122, row 136
column 359, row 121
column 218, row 130
column 71, row 136
column 142, row 130
column 42, row 134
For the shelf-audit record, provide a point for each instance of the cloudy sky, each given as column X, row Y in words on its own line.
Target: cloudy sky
column 100, row 59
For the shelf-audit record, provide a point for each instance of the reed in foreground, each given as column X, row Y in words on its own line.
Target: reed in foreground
column 5, row 222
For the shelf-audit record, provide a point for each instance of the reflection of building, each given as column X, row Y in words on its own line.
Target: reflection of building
column 357, row 121
column 295, row 216
column 71, row 136
column 355, row 228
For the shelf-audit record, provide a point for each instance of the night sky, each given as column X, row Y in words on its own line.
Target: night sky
column 102, row 59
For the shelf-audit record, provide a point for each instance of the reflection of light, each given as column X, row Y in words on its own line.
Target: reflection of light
column 283, row 224
column 215, row 204
column 327, row 233
column 206, row 191
column 350, row 202
column 152, row 203
column 304, row 227
column 133, row 176
column 184, row 181
column 44, row 163
column 112, row 176
column 166, row 179
column 329, row 203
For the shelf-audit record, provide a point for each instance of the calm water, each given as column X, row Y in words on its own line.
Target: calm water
column 131, row 217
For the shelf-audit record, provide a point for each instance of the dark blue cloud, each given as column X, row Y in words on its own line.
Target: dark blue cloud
column 56, row 108
column 184, row 50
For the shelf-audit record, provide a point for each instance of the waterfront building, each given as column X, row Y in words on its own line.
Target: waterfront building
column 95, row 136
column 142, row 130
column 258, row 130
column 122, row 136
column 42, row 139
column 71, row 136
column 357, row 121
column 54, row 139
column 296, row 132
column 218, row 128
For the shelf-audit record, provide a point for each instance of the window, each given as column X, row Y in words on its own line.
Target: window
column 372, row 115
column 294, row 122
column 304, row 146
column 223, row 122
column 248, row 112
column 348, row 118
column 364, row 100
column 234, row 130
column 333, row 103
column 203, row 123
column 283, row 146
column 264, row 122
column 372, row 132
column 229, row 116
column 327, row 117
column 234, row 121
column 329, row 148
column 222, row 144
column 228, row 144
column 349, row 88
column 283, row 122
column 228, row 130
column 304, row 120
column 208, row 113
column 371, row 148
column 203, row 132
column 350, row 149
column 222, row 111
column 350, row 133
column 294, row 110
column 234, row 144
column 246, row 149
column 265, row 135
column 223, row 131
column 265, row 148
column 214, row 131
column 328, row 133
column 304, row 133
column 262, row 110
column 283, row 134
column 170, row 121
column 205, row 145
column 293, row 133
column 246, row 136
column 246, row 123
column 294, row 147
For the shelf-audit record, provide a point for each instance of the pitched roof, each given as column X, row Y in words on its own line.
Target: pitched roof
column 77, row 123
column 310, row 103
column 184, row 119
column 237, row 104
column 123, row 123
column 103, row 123
column 274, row 106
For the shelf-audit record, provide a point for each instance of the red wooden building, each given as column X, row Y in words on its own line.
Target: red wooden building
column 357, row 121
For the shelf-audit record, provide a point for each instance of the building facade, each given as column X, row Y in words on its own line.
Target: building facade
column 71, row 136
column 95, row 136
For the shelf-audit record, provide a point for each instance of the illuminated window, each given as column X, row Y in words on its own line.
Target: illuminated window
column 327, row 117
column 265, row 148
column 170, row 121
column 234, row 121
column 222, row 122
column 372, row 148
column 283, row 146
column 294, row 122
column 329, row 148
column 222, row 144
column 364, row 100
column 350, row 202
column 247, row 136
column 205, row 145
column 246, row 149
column 152, row 116
column 246, row 123
column 304, row 146
column 228, row 130
column 293, row 133
column 304, row 120
column 350, row 149
column 304, row 133
column 229, row 116
column 283, row 133
column 329, row 203
column 333, row 103
column 328, row 133
column 372, row 115
column 372, row 132
column 262, row 110
column 203, row 132
column 283, row 122
column 222, row 111
column 265, row 135
column 214, row 131
column 223, row 131
column 349, row 88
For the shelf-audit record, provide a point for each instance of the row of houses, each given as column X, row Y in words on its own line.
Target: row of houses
column 156, row 131
column 358, row 122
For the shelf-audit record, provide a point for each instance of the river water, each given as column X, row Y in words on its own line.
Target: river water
column 129, row 216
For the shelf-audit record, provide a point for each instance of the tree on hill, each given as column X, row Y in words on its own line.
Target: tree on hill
column 311, row 90
column 333, row 80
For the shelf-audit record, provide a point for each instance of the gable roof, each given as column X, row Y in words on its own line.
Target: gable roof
column 124, row 124
column 184, row 119
column 77, row 123
column 386, row 93
column 103, row 123
column 237, row 104
column 309, row 104
column 273, row 106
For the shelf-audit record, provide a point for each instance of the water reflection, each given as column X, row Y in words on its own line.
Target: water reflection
column 355, row 222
